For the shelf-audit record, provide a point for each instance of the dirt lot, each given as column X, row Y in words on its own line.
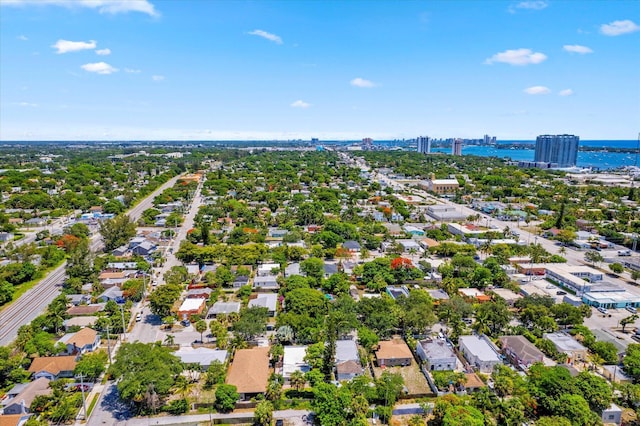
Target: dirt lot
column 413, row 378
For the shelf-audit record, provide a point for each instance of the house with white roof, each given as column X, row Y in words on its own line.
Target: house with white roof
column 201, row 356
column 478, row 353
column 293, row 360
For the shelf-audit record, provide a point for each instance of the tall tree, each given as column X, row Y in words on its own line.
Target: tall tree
column 117, row 231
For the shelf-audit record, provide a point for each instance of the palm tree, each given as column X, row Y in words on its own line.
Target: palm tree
column 169, row 339
column 298, row 380
column 562, row 251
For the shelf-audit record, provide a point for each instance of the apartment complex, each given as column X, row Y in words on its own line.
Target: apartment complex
column 557, row 149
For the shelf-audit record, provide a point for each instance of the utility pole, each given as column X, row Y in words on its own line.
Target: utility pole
column 84, row 401
column 124, row 330
column 109, row 345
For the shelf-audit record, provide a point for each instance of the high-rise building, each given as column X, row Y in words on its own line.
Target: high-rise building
column 456, row 147
column 424, row 144
column 557, row 149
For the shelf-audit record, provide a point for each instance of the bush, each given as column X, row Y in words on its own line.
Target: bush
column 177, row 407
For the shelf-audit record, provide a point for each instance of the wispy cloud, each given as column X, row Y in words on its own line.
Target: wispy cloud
column 617, row 28
column 528, row 5
column 22, row 37
column 271, row 37
column 576, row 48
column 103, row 52
column 27, row 104
column 131, row 71
column 157, row 77
column 537, row 90
column 103, row 6
column 518, row 57
column 300, row 104
column 565, row 92
column 361, row 82
column 66, row 46
column 99, row 68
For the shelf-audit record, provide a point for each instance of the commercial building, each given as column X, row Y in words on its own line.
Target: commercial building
column 557, row 149
column 440, row 186
column 424, row 144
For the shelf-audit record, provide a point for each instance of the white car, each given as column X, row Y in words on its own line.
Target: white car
column 602, row 310
column 138, row 317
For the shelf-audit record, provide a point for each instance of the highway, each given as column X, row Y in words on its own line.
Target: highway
column 34, row 302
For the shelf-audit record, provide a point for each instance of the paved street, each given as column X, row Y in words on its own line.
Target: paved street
column 109, row 410
column 34, row 302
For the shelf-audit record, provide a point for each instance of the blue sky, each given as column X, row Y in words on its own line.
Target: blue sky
column 163, row 69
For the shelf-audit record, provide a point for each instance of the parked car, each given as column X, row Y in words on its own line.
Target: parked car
column 138, row 317
column 632, row 309
column 185, row 323
column 602, row 310
column 624, row 252
column 561, row 293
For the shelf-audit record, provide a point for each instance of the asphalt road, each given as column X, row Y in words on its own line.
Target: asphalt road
column 34, row 302
column 110, row 410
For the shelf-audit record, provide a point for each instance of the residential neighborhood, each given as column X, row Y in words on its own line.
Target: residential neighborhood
column 335, row 284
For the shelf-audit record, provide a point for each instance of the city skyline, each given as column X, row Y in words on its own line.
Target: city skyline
column 145, row 69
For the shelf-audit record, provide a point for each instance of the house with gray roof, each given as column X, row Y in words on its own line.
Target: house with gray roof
column 267, row 282
column 479, row 353
column 437, row 355
column 223, row 308
column 520, row 351
column 19, row 398
column 266, row 300
column 565, row 343
column 112, row 293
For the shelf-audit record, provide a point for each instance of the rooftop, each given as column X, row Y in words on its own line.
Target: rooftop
column 436, row 349
column 564, row 342
column 479, row 348
column 250, row 371
column 393, row 349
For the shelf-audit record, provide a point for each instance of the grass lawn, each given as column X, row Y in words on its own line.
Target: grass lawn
column 414, row 380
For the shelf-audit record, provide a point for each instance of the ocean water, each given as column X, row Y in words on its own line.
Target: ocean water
column 602, row 160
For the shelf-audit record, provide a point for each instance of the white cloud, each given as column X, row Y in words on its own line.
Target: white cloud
column 22, row 37
column 361, row 82
column 66, row 46
column 131, row 71
column 157, row 77
column 300, row 104
column 529, row 5
column 617, row 28
column 537, row 90
column 99, row 68
column 576, row 48
column 103, row 52
column 103, row 6
column 565, row 92
column 27, row 104
column 271, row 37
column 517, row 57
